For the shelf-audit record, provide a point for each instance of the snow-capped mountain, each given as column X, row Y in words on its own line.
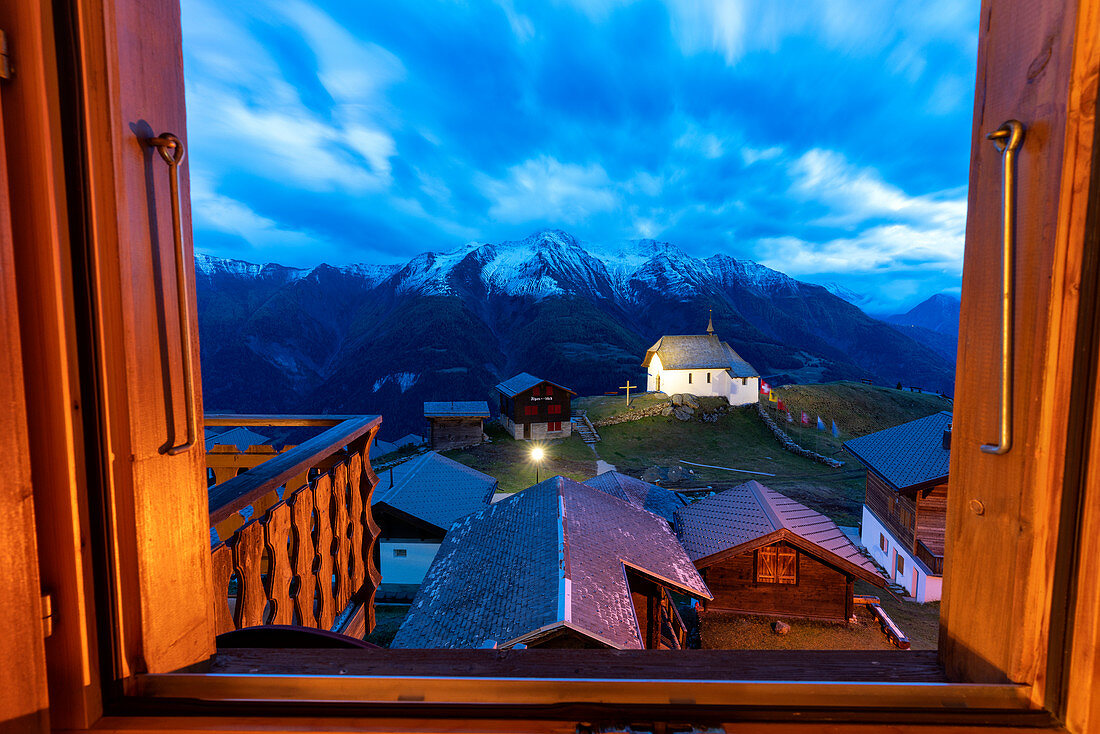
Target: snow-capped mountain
column 383, row 338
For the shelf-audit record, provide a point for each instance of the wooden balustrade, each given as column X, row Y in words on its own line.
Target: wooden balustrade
column 308, row 558
column 930, row 559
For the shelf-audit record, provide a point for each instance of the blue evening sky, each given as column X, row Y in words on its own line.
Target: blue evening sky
column 828, row 139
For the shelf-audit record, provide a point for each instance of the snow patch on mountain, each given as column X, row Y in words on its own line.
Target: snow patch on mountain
column 403, row 380
column 211, row 265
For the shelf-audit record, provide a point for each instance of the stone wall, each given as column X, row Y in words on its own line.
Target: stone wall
column 788, row 443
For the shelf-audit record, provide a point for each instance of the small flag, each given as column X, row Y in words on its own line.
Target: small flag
column 781, row 406
column 790, row 418
column 772, row 397
column 765, row 388
column 805, row 418
column 836, row 431
column 820, row 424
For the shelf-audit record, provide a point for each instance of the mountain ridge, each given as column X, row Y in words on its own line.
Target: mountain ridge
column 380, row 339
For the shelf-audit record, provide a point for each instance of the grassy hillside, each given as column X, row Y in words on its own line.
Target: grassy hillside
column 509, row 461
column 738, row 440
column 605, row 406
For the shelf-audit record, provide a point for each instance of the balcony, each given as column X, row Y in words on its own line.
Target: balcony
column 928, row 558
column 292, row 534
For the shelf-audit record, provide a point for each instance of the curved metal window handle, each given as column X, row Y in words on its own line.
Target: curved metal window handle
column 1008, row 138
column 172, row 151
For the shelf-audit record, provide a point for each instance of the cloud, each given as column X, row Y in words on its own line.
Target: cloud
column 852, row 195
column 545, row 189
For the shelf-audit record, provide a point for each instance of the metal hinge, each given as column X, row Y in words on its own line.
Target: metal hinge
column 660, row 727
column 7, row 71
column 47, row 615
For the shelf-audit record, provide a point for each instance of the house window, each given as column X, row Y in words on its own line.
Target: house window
column 549, row 390
column 900, row 563
column 776, row 565
column 553, row 409
column 400, row 552
column 708, row 378
column 536, row 390
column 689, row 378
column 530, row 409
column 553, row 426
column 882, row 542
column 744, row 381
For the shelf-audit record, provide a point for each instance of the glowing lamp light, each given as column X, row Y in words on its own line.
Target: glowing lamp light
column 536, row 456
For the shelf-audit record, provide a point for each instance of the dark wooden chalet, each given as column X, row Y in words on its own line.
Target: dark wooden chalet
column 761, row 552
column 560, row 564
column 905, row 508
column 455, row 424
column 533, row 408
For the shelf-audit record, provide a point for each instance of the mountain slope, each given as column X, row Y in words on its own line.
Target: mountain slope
column 383, row 339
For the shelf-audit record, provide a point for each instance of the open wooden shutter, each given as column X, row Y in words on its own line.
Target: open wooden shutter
column 765, row 565
column 788, row 566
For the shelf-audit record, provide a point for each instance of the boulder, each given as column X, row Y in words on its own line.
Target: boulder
column 678, row 399
column 667, row 410
column 682, row 413
column 780, row 628
column 691, row 400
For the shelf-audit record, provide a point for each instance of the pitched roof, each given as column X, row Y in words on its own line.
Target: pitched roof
column 698, row 351
column 240, row 437
column 457, row 409
column 523, row 382
column 750, row 515
column 550, row 557
column 906, row 455
column 643, row 495
column 434, row 489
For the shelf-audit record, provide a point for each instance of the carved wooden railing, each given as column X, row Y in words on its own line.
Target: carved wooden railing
column 673, row 631
column 306, row 555
column 930, row 559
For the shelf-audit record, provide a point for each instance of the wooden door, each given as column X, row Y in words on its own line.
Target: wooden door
column 1037, row 64
column 147, row 331
column 23, row 702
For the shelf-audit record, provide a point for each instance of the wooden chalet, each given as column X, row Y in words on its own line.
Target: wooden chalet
column 905, row 508
column 532, row 408
column 119, row 615
column 414, row 505
column 560, row 564
column 763, row 553
column 455, row 424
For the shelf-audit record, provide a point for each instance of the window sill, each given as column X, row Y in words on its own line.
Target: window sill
column 898, row 687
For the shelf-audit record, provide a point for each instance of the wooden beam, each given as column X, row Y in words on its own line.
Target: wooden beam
column 243, row 419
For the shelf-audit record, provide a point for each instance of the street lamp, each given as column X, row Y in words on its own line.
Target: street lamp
column 536, row 456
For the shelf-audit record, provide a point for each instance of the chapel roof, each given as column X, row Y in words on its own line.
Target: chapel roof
column 698, row 351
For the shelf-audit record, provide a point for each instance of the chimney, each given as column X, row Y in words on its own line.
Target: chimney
column 947, row 438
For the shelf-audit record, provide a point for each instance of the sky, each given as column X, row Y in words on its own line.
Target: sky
column 828, row 139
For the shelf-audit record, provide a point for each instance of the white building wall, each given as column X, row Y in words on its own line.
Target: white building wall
column 721, row 384
column 923, row 587
column 407, row 569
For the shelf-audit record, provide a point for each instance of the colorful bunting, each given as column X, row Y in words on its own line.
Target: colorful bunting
column 805, row 418
column 781, row 407
column 820, row 424
column 765, row 388
column 772, row 397
column 836, row 431
column 790, row 418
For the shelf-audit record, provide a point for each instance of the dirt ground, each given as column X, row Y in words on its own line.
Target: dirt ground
column 730, row 631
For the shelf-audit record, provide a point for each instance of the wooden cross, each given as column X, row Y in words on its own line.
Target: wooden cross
column 628, row 387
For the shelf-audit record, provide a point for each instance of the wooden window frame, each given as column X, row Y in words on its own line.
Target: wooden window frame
column 529, row 410
column 553, row 409
column 1054, row 675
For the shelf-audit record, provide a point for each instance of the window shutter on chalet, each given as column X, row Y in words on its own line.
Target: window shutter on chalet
column 787, row 566
column 765, row 565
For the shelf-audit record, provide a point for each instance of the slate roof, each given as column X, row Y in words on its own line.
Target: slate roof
column 522, row 382
column 457, row 409
column 643, row 495
column 240, row 437
column 434, row 489
column 751, row 515
column 550, row 557
column 698, row 351
column 906, row 455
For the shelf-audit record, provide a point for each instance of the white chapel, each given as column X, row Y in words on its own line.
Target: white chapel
column 700, row 364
